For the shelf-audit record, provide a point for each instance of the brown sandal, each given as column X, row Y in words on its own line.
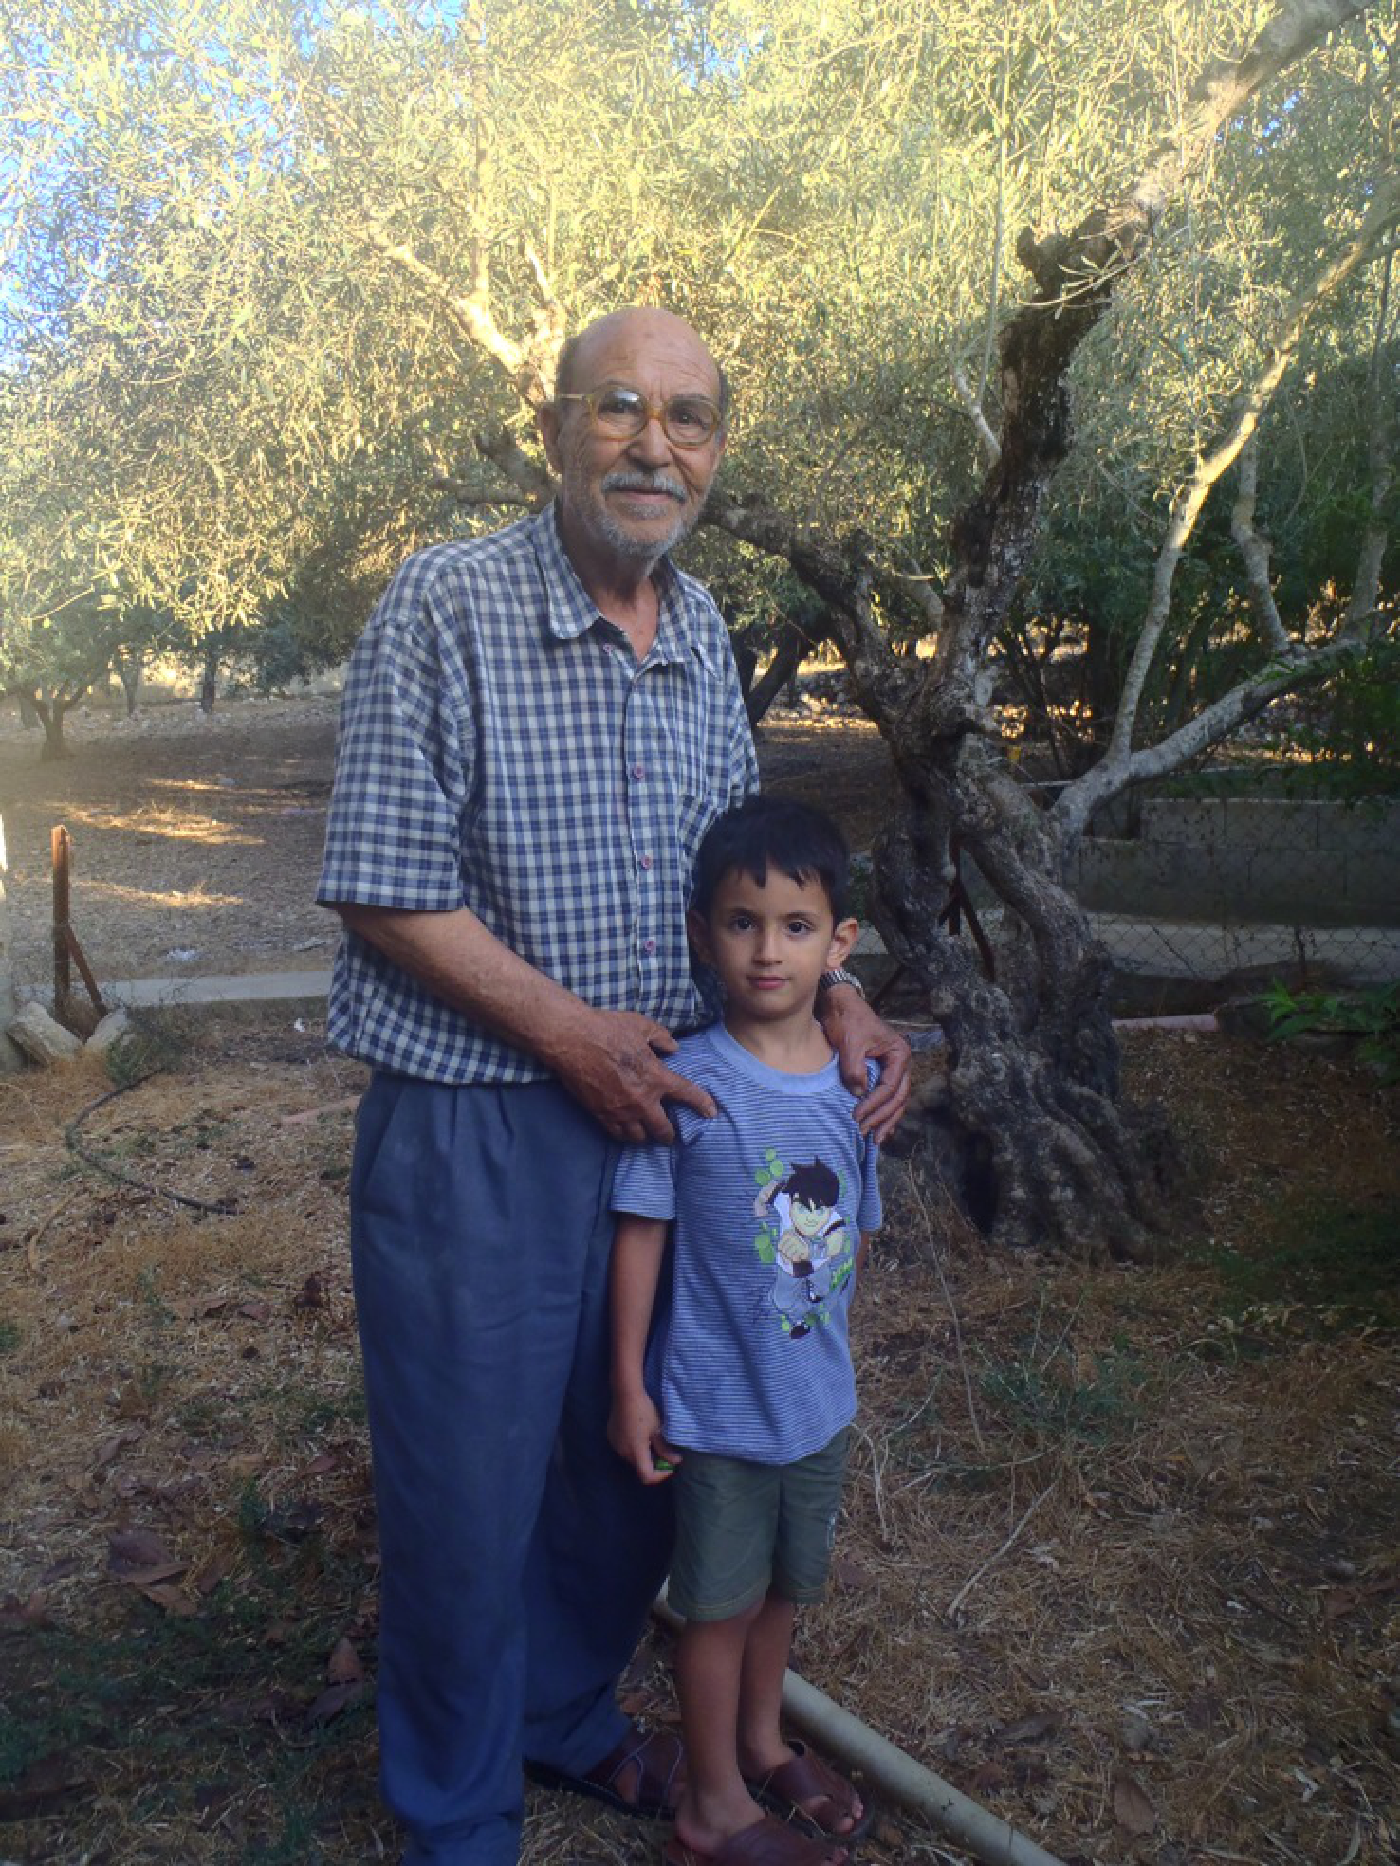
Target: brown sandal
column 804, row 1777
column 765, row 1843
column 658, row 1758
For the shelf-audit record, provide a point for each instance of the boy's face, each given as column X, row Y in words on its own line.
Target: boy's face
column 770, row 942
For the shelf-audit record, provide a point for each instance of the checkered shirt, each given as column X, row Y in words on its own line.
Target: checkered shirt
column 501, row 749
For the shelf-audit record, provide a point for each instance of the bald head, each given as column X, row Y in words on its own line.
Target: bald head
column 646, row 326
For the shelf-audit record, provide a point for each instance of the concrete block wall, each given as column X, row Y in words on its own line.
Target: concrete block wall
column 1250, row 860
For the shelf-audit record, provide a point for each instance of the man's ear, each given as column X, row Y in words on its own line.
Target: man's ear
column 547, row 421
column 698, row 928
column 843, row 941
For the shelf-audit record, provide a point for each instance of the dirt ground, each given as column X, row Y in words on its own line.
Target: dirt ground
column 1121, row 1552
column 197, row 839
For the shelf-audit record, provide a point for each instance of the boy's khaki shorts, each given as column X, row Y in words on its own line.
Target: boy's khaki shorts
column 744, row 1528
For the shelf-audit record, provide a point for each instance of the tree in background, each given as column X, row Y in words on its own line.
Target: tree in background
column 313, row 272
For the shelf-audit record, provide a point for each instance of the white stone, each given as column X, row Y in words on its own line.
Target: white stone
column 41, row 1038
column 114, row 1026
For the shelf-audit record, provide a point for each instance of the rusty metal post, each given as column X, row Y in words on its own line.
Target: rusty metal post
column 61, row 854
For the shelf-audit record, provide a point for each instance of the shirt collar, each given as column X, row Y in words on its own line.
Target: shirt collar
column 572, row 611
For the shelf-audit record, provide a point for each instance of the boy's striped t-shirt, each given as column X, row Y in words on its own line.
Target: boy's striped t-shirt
column 750, row 1355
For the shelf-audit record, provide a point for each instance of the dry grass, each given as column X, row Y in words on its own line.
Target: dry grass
column 1120, row 1549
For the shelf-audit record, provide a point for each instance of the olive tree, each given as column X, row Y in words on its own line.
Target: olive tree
column 313, row 272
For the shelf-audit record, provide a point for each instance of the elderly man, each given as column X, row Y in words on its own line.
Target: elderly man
column 538, row 728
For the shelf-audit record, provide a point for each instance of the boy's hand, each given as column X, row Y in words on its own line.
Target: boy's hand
column 634, row 1432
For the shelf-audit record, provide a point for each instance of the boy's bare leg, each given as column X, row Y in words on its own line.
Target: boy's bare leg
column 710, row 1668
column 762, row 1745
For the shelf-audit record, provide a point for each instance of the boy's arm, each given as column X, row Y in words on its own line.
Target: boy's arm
column 862, row 1252
column 634, row 1426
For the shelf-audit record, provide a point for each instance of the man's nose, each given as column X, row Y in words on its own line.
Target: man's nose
column 651, row 445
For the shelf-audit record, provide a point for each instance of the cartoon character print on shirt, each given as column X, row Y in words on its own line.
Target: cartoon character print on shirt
column 805, row 1239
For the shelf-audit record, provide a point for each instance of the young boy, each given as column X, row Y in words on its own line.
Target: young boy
column 744, row 1241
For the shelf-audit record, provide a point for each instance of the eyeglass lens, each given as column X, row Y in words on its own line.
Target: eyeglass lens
column 688, row 420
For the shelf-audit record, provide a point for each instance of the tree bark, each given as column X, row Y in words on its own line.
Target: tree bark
column 128, row 667
column 11, row 1057
column 51, row 714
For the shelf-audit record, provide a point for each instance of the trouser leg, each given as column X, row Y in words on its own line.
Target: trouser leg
column 474, row 1213
column 600, row 1554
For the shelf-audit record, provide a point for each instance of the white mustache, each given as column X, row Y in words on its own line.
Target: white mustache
column 629, row 480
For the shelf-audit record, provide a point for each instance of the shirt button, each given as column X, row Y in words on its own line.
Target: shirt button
column 648, row 945
column 646, row 861
column 639, row 771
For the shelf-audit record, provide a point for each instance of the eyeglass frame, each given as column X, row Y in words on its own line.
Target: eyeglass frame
column 655, row 411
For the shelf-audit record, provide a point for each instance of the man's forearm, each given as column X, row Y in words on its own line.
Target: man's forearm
column 462, row 962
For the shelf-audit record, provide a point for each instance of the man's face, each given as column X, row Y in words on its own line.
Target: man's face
column 632, row 500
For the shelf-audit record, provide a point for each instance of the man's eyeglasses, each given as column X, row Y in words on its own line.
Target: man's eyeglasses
column 621, row 414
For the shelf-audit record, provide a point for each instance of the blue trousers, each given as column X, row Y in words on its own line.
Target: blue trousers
column 519, row 1554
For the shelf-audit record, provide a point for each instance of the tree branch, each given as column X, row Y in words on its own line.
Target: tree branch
column 465, row 494
column 991, row 446
column 1075, row 276
column 1380, row 217
column 1074, row 809
column 846, row 580
column 1254, row 550
column 1365, row 593
column 522, row 470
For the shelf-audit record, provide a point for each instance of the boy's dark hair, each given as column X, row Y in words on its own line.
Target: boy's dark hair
column 795, row 837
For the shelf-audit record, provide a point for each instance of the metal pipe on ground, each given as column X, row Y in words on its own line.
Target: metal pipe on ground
column 893, row 1773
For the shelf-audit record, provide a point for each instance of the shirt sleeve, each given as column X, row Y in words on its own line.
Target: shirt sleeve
column 743, row 759
column 403, row 771
column 870, row 1214
column 645, row 1185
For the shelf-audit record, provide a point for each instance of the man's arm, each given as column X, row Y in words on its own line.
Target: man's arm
column 610, row 1061
column 857, row 1034
column 634, row 1424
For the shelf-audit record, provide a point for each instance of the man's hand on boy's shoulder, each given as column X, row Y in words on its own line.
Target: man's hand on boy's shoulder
column 611, row 1061
column 857, row 1034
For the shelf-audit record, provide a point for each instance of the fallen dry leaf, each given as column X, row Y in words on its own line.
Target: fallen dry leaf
column 333, row 1700
column 1132, row 1807
column 34, row 1611
column 52, row 1778
column 173, row 1600
column 194, row 1308
column 138, row 1556
column 217, row 1568
column 343, row 1666
column 312, row 1294
column 112, row 1447
column 1026, row 1729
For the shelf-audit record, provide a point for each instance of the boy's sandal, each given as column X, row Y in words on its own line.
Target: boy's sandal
column 790, row 1790
column 644, row 1775
column 765, row 1843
